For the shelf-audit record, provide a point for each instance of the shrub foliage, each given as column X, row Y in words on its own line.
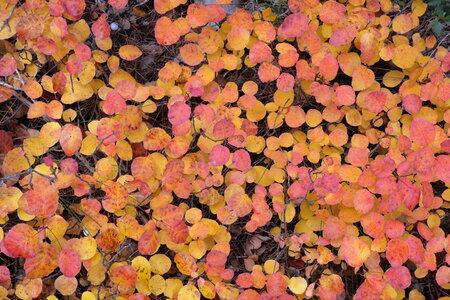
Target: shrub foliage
column 274, row 157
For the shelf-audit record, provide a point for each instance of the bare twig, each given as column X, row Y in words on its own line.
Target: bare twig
column 204, row 134
column 7, row 18
column 10, row 86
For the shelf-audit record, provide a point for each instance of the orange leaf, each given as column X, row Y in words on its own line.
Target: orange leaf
column 33, row 89
column 165, row 32
column 43, row 263
column 41, row 201
column 129, row 52
column 149, row 242
column 71, row 139
column 124, row 276
column 116, row 196
column 332, row 12
column 354, row 250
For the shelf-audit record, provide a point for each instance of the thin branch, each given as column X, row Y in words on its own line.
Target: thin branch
column 204, row 134
column 8, row 17
column 2, row 83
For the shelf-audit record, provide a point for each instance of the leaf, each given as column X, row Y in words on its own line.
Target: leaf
column 293, row 26
column 375, row 101
column 422, row 131
column 238, row 38
column 156, row 139
column 165, row 32
column 354, row 251
column 186, row 264
column 70, row 139
column 276, row 284
column 74, row 66
column 443, row 275
column 74, row 8
column 124, row 276
column 179, row 112
column 398, row 277
column 268, row 72
column 219, row 155
column 33, row 89
column 397, row 252
column 142, row 168
column 42, row 263
column 129, row 52
column 363, row 201
column 20, row 241
column 149, row 242
column 114, row 103
column 343, row 35
column 5, row 274
column 362, row 78
column 189, row 292
column 47, row 45
column 69, row 262
column 297, row 285
column 116, row 196
column 66, row 285
column 41, row 201
column 8, row 66
column 332, row 12
column 160, row 264
column 100, row 28
column 382, row 167
column 197, row 15
column 405, row 56
column 83, row 52
column 412, row 103
column 118, row 4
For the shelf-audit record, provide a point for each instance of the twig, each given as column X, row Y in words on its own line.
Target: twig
column 204, row 134
column 25, row 172
column 10, row 86
column 8, row 17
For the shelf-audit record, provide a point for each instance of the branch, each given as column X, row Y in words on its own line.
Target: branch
column 25, row 172
column 8, row 17
column 2, row 83
column 204, row 134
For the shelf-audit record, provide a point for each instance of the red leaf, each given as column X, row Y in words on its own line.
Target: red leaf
column 422, row 132
column 241, row 160
column 8, row 66
column 101, row 28
column 219, row 155
column 20, row 241
column 397, row 252
column 69, row 262
column 179, row 112
column 293, row 26
column 398, row 277
column 118, row 4
column 74, row 8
